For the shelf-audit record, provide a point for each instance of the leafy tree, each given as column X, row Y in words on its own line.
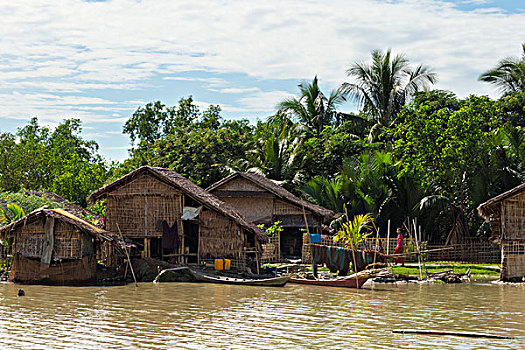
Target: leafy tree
column 200, row 153
column 444, row 148
column 147, row 123
column 58, row 160
column 509, row 75
column 512, row 108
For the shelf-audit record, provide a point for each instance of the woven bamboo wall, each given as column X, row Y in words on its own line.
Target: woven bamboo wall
column 258, row 210
column 285, row 208
column 241, row 184
column 271, row 250
column 513, row 260
column 138, row 207
column 513, row 217
column 69, row 242
column 220, row 237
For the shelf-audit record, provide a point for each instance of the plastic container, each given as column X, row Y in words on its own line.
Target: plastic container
column 222, row 264
column 219, row 264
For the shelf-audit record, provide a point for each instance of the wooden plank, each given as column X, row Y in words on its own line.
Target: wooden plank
column 449, row 333
column 49, row 241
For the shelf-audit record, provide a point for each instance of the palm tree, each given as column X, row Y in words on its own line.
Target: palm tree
column 313, row 109
column 326, row 192
column 509, row 75
column 277, row 152
column 383, row 86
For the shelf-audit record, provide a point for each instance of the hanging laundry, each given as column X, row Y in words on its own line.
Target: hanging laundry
column 170, row 236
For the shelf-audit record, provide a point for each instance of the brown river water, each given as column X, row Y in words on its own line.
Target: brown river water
column 210, row 316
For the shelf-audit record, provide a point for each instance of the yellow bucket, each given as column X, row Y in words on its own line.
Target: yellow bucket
column 227, row 264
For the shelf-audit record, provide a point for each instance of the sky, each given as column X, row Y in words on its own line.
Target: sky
column 100, row 60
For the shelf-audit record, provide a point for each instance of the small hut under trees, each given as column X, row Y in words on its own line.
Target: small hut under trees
column 53, row 246
column 263, row 201
column 172, row 219
column 505, row 215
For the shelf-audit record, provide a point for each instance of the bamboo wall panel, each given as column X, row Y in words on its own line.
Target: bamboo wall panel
column 513, row 260
column 139, row 206
column 241, row 184
column 514, row 219
column 258, row 210
column 69, row 242
column 285, row 208
column 220, row 237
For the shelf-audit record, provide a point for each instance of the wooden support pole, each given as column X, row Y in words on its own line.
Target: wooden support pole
column 388, row 239
column 129, row 259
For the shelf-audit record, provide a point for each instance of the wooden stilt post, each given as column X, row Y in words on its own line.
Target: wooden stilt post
column 388, row 239
column 129, row 259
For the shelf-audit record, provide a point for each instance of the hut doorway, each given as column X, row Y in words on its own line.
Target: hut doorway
column 291, row 242
column 191, row 241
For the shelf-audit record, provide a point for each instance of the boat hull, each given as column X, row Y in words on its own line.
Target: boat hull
column 268, row 282
column 347, row 283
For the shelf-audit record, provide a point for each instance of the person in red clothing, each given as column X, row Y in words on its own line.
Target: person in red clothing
column 399, row 248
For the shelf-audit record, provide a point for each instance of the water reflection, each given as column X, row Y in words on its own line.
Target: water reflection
column 205, row 316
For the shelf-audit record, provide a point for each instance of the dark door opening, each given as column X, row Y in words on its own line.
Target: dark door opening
column 191, row 241
column 292, row 242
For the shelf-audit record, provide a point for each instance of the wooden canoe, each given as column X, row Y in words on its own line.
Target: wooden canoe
column 266, row 282
column 341, row 282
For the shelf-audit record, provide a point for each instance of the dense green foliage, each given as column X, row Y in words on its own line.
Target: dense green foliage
column 407, row 153
column 59, row 160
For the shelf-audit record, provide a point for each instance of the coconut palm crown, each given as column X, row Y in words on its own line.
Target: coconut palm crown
column 509, row 75
column 383, row 86
column 313, row 109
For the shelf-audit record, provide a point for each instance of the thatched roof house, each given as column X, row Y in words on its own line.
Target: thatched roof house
column 506, row 216
column 54, row 246
column 263, row 201
column 175, row 219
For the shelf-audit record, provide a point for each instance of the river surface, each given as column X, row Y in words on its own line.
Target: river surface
column 210, row 316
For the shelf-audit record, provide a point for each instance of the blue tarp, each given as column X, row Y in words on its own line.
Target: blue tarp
column 315, row 238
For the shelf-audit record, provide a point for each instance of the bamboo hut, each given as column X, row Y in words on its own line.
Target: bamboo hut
column 505, row 215
column 53, row 246
column 172, row 219
column 263, row 201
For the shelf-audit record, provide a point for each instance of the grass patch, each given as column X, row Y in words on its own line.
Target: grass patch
column 477, row 271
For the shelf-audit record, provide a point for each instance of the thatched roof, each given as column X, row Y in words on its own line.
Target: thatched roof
column 59, row 214
column 190, row 189
column 276, row 190
column 491, row 207
column 70, row 207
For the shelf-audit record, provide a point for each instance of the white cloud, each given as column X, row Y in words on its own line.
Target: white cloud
column 70, row 58
column 238, row 90
column 125, row 41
